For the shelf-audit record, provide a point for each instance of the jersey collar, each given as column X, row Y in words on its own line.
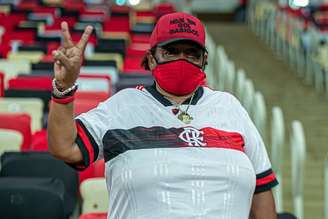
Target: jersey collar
column 159, row 97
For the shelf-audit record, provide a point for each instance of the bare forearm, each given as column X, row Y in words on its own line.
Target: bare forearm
column 263, row 206
column 62, row 131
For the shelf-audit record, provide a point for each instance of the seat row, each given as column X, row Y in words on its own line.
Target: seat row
column 25, row 182
column 300, row 41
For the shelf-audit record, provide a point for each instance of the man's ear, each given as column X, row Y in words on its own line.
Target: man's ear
column 205, row 61
column 151, row 61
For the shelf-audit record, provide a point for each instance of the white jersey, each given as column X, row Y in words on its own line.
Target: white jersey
column 159, row 167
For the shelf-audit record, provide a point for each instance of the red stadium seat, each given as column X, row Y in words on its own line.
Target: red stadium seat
column 27, row 5
column 148, row 14
column 73, row 5
column 118, row 9
column 11, row 20
column 26, row 36
column 30, row 83
column 39, row 141
column 133, row 64
column 56, row 25
column 84, row 105
column 87, row 100
column 140, row 38
column 117, row 24
column 97, row 95
column 99, row 168
column 2, row 84
column 20, row 122
column 96, row 169
column 164, row 8
column 45, row 10
column 93, row 216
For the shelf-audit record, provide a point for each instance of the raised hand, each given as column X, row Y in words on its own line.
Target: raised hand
column 68, row 57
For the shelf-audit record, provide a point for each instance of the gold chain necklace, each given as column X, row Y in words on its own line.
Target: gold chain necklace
column 183, row 114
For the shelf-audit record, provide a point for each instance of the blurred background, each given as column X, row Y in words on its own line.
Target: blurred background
column 272, row 55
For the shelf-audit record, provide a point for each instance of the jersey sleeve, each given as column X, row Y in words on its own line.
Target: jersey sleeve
column 91, row 127
column 255, row 150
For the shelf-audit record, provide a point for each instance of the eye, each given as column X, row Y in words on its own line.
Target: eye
column 172, row 51
column 193, row 53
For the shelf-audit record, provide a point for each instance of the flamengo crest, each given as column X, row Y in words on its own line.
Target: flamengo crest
column 193, row 137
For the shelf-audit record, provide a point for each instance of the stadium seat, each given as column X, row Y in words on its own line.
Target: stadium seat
column 94, row 195
column 39, row 141
column 248, row 95
column 117, row 24
column 36, row 198
column 140, row 38
column 10, row 140
column 96, row 95
column 45, row 65
column 130, row 80
column 144, row 16
column 221, row 66
column 277, row 148
column 84, row 105
column 2, row 84
column 286, row 216
column 22, row 125
column 43, row 95
column 32, row 57
column 31, row 106
column 229, row 83
column 38, row 164
column 111, row 46
column 95, row 83
column 94, row 216
column 163, row 8
column 101, row 70
column 240, row 83
column 143, row 28
column 259, row 114
column 11, row 68
column 117, row 35
column 96, row 169
column 108, row 57
column 30, row 82
column 298, row 154
column 133, row 64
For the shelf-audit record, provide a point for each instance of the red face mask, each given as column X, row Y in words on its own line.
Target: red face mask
column 178, row 77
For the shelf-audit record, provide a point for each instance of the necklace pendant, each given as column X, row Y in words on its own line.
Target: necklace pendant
column 185, row 118
column 175, row 111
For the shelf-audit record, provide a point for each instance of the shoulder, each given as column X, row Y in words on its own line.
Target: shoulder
column 127, row 93
column 221, row 97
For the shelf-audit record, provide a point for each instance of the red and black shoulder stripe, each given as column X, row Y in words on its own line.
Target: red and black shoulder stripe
column 87, row 145
column 265, row 181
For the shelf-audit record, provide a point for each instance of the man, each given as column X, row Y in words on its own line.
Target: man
column 172, row 150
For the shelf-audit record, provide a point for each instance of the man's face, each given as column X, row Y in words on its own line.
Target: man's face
column 180, row 50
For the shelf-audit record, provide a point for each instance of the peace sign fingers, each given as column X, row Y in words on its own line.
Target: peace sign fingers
column 85, row 37
column 67, row 39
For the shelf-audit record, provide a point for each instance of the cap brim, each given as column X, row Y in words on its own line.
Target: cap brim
column 180, row 39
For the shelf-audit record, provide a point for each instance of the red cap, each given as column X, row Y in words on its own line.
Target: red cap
column 177, row 26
